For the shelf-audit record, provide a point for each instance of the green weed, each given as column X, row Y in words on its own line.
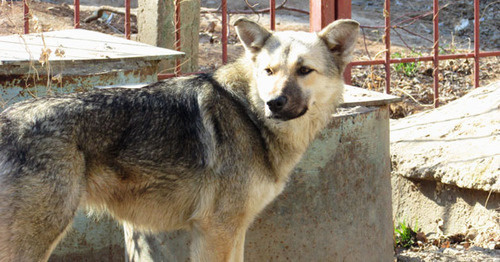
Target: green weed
column 405, row 236
column 409, row 69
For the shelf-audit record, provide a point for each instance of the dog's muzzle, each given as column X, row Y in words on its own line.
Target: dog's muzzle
column 280, row 108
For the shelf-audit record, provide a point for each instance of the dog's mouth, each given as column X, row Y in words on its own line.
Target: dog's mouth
column 288, row 115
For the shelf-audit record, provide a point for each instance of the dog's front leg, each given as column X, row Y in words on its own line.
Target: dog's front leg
column 217, row 243
column 239, row 249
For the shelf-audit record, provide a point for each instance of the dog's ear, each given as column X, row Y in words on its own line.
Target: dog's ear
column 252, row 35
column 340, row 36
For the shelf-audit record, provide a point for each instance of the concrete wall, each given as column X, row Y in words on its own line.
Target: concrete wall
column 441, row 209
column 91, row 239
column 336, row 207
column 445, row 166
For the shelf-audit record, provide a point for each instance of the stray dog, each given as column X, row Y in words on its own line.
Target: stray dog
column 204, row 153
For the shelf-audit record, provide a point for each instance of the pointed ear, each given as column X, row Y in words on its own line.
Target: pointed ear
column 252, row 35
column 340, row 36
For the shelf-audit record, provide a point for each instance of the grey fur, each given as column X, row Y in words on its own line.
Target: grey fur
column 200, row 153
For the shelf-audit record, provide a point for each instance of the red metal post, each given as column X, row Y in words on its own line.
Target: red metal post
column 224, row 31
column 387, row 15
column 272, row 13
column 476, row 43
column 76, row 21
column 321, row 13
column 177, row 25
column 343, row 9
column 26, row 11
column 127, row 19
column 435, row 23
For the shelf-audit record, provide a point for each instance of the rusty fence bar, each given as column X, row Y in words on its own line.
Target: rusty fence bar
column 26, row 11
column 224, row 31
column 76, row 19
column 387, row 31
column 272, row 13
column 177, row 25
column 435, row 60
column 127, row 19
column 476, row 43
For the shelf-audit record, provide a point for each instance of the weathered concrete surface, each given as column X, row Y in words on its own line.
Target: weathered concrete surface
column 441, row 209
column 91, row 239
column 155, row 22
column 80, row 60
column 336, row 206
column 456, row 144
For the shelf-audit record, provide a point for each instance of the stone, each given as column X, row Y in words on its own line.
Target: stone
column 456, row 144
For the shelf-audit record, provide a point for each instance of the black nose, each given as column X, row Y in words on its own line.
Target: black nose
column 277, row 104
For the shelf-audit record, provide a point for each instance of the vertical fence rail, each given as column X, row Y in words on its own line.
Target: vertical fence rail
column 272, row 14
column 343, row 10
column 435, row 48
column 76, row 20
column 476, row 43
column 127, row 19
column 177, row 25
column 26, row 11
column 224, row 31
column 387, row 30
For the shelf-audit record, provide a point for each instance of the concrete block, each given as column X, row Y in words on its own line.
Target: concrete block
column 91, row 239
column 155, row 22
column 456, row 144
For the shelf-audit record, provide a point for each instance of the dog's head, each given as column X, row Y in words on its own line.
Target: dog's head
column 293, row 71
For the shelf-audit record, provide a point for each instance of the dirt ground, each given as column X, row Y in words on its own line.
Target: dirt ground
column 411, row 81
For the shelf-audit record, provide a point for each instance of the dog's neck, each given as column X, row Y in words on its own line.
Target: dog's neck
column 294, row 137
column 288, row 139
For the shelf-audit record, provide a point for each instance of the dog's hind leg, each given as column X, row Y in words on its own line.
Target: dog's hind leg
column 40, row 191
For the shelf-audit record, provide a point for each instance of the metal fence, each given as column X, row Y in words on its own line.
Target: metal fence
column 321, row 13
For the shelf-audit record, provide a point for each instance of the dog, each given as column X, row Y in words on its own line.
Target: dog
column 204, row 153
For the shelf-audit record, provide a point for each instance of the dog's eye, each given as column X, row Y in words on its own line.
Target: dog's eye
column 304, row 70
column 269, row 71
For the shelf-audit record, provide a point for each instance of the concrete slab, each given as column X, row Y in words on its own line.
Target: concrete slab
column 456, row 144
column 73, row 60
